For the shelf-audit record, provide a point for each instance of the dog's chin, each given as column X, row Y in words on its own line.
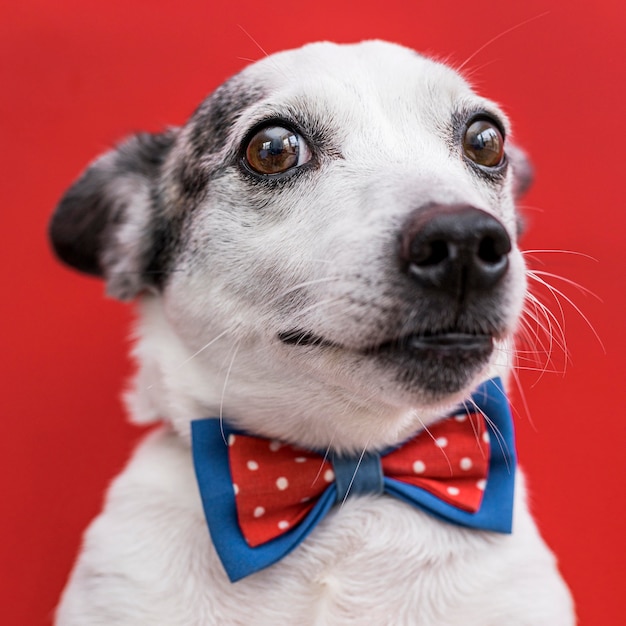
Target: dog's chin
column 433, row 366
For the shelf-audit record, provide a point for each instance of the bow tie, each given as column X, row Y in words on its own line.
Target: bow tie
column 261, row 497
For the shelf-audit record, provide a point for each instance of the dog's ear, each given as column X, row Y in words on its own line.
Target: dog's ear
column 108, row 223
column 523, row 171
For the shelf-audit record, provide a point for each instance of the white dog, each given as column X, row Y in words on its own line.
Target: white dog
column 324, row 257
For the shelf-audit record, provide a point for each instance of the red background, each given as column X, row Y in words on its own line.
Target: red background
column 76, row 76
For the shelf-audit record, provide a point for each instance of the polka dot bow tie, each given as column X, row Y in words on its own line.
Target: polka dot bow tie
column 261, row 498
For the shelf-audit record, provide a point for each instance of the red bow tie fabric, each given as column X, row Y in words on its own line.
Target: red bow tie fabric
column 276, row 485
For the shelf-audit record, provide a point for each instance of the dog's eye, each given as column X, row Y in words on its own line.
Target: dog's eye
column 483, row 143
column 275, row 149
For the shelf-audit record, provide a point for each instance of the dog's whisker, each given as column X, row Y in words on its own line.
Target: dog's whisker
column 427, row 431
column 504, row 448
column 206, row 346
column 532, row 252
column 228, row 371
column 499, row 36
column 148, row 272
column 535, row 273
column 542, row 370
column 530, row 356
column 556, row 293
column 268, row 57
column 475, row 431
column 320, row 304
column 303, row 284
column 552, row 321
column 522, row 395
column 253, row 40
column 533, row 334
column 543, row 312
column 474, row 71
column 541, row 366
column 323, row 461
column 356, row 469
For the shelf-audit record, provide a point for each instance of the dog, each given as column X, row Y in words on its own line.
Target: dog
column 324, row 258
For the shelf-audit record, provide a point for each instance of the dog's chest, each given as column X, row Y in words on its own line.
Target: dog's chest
column 373, row 557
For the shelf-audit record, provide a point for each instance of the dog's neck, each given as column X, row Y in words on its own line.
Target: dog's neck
column 176, row 384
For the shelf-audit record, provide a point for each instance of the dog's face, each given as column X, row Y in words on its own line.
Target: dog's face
column 337, row 222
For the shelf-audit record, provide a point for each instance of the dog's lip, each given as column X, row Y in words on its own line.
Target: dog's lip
column 441, row 341
column 438, row 342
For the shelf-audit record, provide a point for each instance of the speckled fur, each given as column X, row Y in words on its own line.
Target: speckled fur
column 222, row 264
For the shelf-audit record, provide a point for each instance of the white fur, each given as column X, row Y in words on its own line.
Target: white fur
column 207, row 347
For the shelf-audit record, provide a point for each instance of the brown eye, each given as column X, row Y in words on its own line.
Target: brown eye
column 275, row 149
column 483, row 143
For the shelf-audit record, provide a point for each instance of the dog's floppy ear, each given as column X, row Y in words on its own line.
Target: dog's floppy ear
column 108, row 223
column 523, row 171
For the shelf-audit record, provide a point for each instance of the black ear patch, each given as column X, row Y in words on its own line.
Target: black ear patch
column 105, row 223
column 79, row 224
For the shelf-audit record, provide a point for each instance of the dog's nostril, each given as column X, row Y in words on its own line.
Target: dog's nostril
column 429, row 253
column 492, row 249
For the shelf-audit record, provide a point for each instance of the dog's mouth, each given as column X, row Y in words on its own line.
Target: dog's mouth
column 445, row 342
column 435, row 363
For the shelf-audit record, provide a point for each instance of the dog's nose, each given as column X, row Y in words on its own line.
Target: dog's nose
column 455, row 248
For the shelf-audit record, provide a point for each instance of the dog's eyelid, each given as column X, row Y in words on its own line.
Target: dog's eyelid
column 271, row 121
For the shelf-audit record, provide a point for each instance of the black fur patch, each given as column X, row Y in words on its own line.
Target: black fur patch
column 210, row 128
column 87, row 215
column 79, row 222
column 213, row 119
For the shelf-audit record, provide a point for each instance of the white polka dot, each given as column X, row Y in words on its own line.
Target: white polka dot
column 441, row 442
column 252, row 466
column 460, row 418
column 304, row 500
column 453, row 491
column 275, row 445
column 231, row 440
column 466, row 463
column 486, row 437
column 259, row 511
column 300, row 459
column 329, row 476
column 236, row 489
column 282, row 483
column 481, row 484
column 283, row 524
column 419, row 467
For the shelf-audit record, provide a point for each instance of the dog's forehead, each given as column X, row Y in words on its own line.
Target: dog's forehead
column 346, row 83
column 371, row 64
column 374, row 74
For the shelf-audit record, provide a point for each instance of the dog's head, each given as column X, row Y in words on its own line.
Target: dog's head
column 325, row 252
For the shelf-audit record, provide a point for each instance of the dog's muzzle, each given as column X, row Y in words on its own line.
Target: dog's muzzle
column 454, row 259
